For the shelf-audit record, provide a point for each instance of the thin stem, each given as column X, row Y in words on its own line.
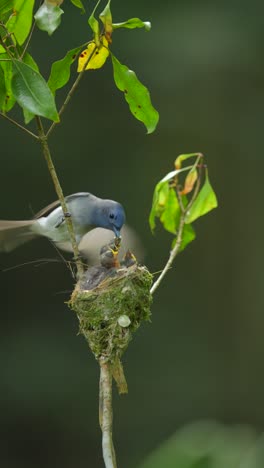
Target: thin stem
column 184, row 210
column 14, row 122
column 70, row 93
column 172, row 256
column 52, row 170
column 106, row 413
column 28, row 40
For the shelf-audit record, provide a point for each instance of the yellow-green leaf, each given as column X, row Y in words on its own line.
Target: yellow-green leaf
column 78, row 4
column 106, row 18
column 20, row 21
column 171, row 214
column 96, row 56
column 133, row 23
column 6, row 6
column 205, row 202
column 183, row 157
column 94, row 25
column 7, row 68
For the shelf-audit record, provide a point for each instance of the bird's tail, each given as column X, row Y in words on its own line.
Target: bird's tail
column 15, row 233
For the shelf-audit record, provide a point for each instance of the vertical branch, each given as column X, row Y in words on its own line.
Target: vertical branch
column 106, row 413
column 52, row 170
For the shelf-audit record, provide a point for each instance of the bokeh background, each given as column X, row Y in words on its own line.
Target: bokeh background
column 201, row 358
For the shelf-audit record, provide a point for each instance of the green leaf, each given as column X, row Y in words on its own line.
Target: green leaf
column 188, row 235
column 32, row 92
column 165, row 207
column 20, row 23
column 48, row 17
column 6, row 6
column 160, row 197
column 61, row 70
column 7, row 68
column 78, row 4
column 94, row 25
column 106, row 18
column 136, row 95
column 2, row 89
column 133, row 23
column 205, row 202
column 28, row 59
column 171, row 214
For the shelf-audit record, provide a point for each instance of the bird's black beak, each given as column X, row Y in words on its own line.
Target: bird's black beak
column 117, row 232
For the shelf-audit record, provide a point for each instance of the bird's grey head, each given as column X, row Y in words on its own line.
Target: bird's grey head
column 112, row 216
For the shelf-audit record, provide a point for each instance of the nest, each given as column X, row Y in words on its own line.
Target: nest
column 110, row 305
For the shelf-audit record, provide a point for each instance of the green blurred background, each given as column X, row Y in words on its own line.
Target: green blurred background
column 202, row 356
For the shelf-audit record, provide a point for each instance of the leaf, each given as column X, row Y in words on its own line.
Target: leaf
column 208, row 444
column 165, row 207
column 32, row 92
column 2, row 89
column 160, row 196
column 133, row 23
column 183, row 157
column 5, row 7
column 97, row 56
column 136, row 95
column 188, row 235
column 94, row 25
column 171, row 214
column 7, row 68
column 106, row 18
column 159, row 199
column 28, row 59
column 190, row 180
column 61, row 70
column 78, row 4
column 48, row 17
column 20, row 21
column 172, row 174
column 205, row 202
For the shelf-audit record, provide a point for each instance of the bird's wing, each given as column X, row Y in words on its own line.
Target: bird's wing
column 48, row 209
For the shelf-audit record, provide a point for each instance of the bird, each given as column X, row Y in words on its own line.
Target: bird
column 92, row 242
column 86, row 211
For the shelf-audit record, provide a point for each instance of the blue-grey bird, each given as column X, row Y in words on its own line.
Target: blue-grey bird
column 86, row 210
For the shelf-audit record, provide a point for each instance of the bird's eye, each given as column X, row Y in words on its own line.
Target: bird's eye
column 111, row 216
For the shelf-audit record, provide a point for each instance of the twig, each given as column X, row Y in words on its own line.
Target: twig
column 184, row 211
column 52, row 170
column 70, row 93
column 14, row 122
column 172, row 256
column 28, row 39
column 106, row 413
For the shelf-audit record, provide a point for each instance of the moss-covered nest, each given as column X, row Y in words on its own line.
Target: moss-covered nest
column 110, row 305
